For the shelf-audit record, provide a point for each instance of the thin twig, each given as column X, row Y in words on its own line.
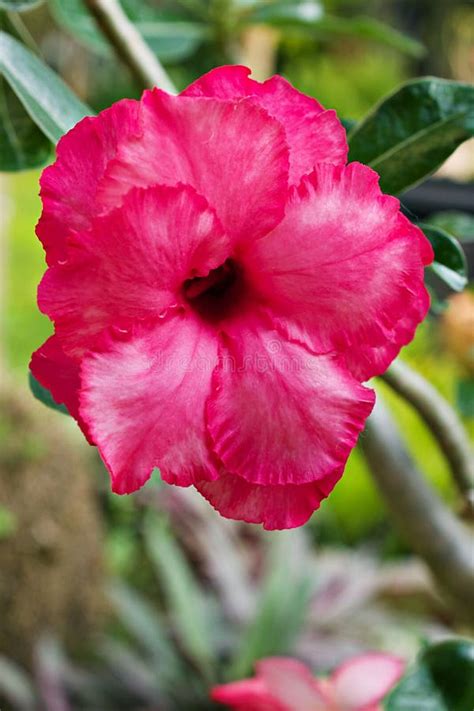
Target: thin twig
column 441, row 419
column 129, row 44
column 429, row 526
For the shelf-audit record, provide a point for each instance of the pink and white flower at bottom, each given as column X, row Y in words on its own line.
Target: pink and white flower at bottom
column 285, row 684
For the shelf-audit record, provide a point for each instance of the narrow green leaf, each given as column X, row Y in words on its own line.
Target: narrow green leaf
column 44, row 395
column 183, row 595
column 441, row 680
column 141, row 620
column 371, row 29
column 450, row 262
column 170, row 40
column 305, row 12
column 309, row 15
column 139, row 676
column 281, row 610
column 22, row 144
column 15, row 685
column 19, row 5
column 410, row 133
column 48, row 101
column 173, row 41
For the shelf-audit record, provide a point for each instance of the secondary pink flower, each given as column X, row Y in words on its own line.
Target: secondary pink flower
column 284, row 684
column 221, row 284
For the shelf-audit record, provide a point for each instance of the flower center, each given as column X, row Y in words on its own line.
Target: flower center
column 215, row 295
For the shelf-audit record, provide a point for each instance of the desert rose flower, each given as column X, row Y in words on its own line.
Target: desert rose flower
column 285, row 684
column 221, row 285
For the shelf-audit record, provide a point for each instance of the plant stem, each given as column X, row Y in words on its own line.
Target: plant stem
column 430, row 528
column 129, row 44
column 441, row 419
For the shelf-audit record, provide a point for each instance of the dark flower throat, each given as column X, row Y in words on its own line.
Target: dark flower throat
column 216, row 294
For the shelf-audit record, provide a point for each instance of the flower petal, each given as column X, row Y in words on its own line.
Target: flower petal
column 276, row 507
column 365, row 680
column 60, row 374
column 69, row 186
column 364, row 360
column 246, row 695
column 292, row 683
column 143, row 399
column 233, row 153
column 279, row 414
column 132, row 264
column 344, row 267
column 313, row 134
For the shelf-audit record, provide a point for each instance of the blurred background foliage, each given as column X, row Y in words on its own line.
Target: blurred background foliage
column 183, row 616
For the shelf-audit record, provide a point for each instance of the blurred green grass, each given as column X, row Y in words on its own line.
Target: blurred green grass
column 25, row 327
column 351, row 83
column 355, row 509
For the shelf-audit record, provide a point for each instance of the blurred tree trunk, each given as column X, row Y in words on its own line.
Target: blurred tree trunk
column 258, row 49
column 51, row 549
column 422, row 519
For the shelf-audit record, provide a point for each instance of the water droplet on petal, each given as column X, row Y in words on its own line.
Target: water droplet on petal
column 119, row 331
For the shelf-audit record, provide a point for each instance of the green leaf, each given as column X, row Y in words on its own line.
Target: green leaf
column 124, row 662
column 465, row 396
column 15, row 686
column 184, row 597
column 460, row 224
column 142, row 621
column 348, row 124
column 48, row 101
column 450, row 262
column 372, row 29
column 22, row 144
column 309, row 15
column 281, row 12
column 19, row 5
column 44, row 395
column 171, row 41
column 442, row 680
column 281, row 610
column 410, row 133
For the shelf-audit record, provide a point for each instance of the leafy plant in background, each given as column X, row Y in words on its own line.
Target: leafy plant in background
column 405, row 138
column 240, row 600
column 176, row 30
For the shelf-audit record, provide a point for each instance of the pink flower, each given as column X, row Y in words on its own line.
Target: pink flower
column 221, row 284
column 284, row 684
